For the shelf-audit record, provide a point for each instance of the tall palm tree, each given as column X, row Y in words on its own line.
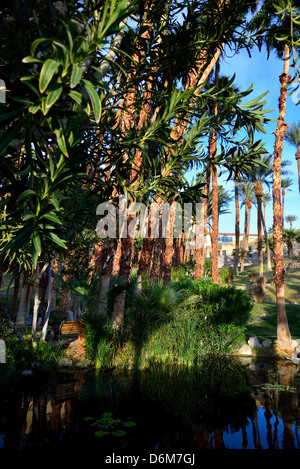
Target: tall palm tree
column 292, row 135
column 290, row 219
column 285, row 184
column 247, row 196
column 265, row 199
column 276, row 27
column 283, row 331
column 259, row 177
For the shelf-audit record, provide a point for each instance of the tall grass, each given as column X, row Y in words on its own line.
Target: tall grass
column 175, row 323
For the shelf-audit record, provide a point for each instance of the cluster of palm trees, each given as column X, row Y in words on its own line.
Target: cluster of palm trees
column 120, row 98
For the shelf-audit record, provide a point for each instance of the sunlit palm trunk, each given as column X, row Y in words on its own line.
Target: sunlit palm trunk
column 268, row 251
column 215, row 205
column 259, row 193
column 283, row 332
column 237, row 226
column 215, row 218
column 200, row 251
column 242, row 260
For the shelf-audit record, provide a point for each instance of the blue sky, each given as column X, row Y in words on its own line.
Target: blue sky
column 263, row 74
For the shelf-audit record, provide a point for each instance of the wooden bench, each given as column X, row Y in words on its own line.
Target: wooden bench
column 69, row 328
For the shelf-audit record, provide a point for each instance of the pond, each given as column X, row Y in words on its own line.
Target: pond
column 223, row 403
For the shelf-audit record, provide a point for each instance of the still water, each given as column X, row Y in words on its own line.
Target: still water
column 222, row 403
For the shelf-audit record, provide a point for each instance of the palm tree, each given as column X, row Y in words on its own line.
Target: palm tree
column 259, row 176
column 290, row 219
column 292, row 135
column 247, row 195
column 285, row 184
column 265, row 199
column 283, row 331
column 290, row 237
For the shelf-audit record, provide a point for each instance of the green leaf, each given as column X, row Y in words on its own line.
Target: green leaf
column 95, row 100
column 79, row 99
column 119, row 433
column 47, row 72
column 54, row 93
column 26, row 193
column 57, row 240
column 52, row 217
column 34, row 108
column 37, row 243
column 8, row 115
column 30, row 60
column 35, row 43
column 129, row 424
column 100, row 433
column 76, row 75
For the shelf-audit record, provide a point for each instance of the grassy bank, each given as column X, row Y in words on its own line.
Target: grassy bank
column 263, row 322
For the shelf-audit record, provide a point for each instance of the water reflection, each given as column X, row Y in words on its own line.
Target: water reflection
column 223, row 403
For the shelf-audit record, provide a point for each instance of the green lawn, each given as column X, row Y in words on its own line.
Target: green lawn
column 263, row 323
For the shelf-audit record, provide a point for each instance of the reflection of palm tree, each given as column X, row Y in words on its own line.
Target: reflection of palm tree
column 291, row 219
column 246, row 193
column 292, row 135
column 285, row 184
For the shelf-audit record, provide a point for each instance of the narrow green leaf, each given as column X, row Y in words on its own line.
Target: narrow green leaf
column 61, row 141
column 76, row 75
column 54, row 93
column 57, row 240
column 37, row 243
column 95, row 100
column 30, row 60
column 8, row 115
column 79, row 99
column 35, row 43
column 52, row 217
column 47, row 72
column 26, row 193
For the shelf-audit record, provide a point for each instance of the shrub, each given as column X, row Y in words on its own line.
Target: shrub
column 259, row 289
column 99, row 338
column 222, row 304
column 226, row 275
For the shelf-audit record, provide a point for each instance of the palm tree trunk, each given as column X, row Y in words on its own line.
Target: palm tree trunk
column 215, row 224
column 237, row 226
column 215, row 205
column 258, row 193
column 283, row 332
column 200, row 251
column 23, row 305
column 245, row 237
column 268, row 251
